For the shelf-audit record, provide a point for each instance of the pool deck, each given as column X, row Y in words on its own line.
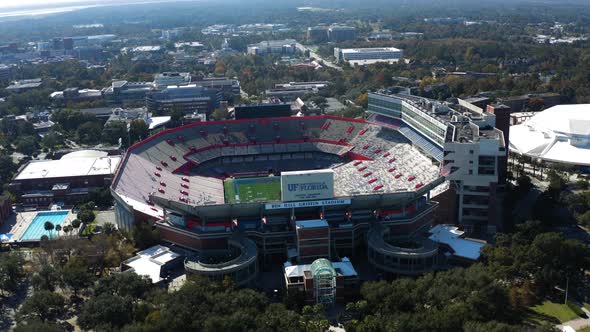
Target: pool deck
column 24, row 219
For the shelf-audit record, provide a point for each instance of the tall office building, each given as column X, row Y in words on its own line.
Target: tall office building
column 188, row 99
column 339, row 33
column 281, row 47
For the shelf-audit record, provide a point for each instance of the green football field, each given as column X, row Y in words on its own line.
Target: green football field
column 245, row 190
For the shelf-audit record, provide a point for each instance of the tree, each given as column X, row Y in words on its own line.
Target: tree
column 144, row 236
column 43, row 305
column 124, row 285
column 138, row 130
column 219, row 67
column 7, row 168
column 114, row 131
column 89, row 133
column 52, row 140
column 106, row 312
column 109, row 228
column 362, row 100
column 76, row 223
column 26, row 145
column 536, row 104
column 37, row 326
column 220, row 114
column 48, row 227
column 11, row 271
column 86, row 216
column 46, row 279
column 75, row 274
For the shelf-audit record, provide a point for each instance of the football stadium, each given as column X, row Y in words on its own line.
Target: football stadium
column 222, row 184
column 239, row 194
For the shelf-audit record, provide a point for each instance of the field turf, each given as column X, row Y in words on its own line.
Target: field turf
column 245, row 190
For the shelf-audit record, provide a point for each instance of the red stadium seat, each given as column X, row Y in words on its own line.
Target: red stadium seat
column 349, row 129
column 363, row 131
column 163, row 184
column 366, row 147
column 412, row 178
column 391, row 160
column 157, row 174
column 386, row 155
column 158, row 168
column 165, row 164
column 356, row 163
column 184, row 185
column 185, row 179
column 362, row 168
column 173, row 158
column 367, row 174
column 372, row 180
column 391, row 170
column 161, row 190
column 398, row 176
column 378, row 187
column 419, row 185
column 377, row 151
column 170, row 142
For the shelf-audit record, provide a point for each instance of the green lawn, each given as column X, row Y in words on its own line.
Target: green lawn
column 559, row 311
column 252, row 189
column 586, row 329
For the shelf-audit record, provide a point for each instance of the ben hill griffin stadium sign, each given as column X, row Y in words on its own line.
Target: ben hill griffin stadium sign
column 307, row 185
column 292, row 205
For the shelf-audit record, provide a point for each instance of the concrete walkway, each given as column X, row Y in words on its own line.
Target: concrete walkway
column 578, row 323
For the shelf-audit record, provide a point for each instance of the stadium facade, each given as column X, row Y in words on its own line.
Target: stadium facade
column 246, row 192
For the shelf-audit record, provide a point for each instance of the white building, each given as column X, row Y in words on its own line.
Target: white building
column 165, row 79
column 363, row 56
column 281, row 47
column 560, row 134
column 463, row 138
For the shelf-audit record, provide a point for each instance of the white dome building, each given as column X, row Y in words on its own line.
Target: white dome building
column 560, row 134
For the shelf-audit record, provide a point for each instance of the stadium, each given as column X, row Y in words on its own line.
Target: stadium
column 560, row 134
column 275, row 189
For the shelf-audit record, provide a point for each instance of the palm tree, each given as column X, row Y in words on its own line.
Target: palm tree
column 58, row 228
column 49, row 227
column 108, row 228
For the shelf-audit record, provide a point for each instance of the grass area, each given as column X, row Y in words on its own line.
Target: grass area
column 586, row 329
column 559, row 311
column 587, row 306
column 246, row 190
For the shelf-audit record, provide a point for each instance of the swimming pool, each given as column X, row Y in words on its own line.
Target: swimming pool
column 37, row 227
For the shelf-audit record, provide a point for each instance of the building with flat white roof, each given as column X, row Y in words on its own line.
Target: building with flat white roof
column 454, row 239
column 153, row 263
column 284, row 47
column 560, row 134
column 360, row 56
column 163, row 80
column 67, row 180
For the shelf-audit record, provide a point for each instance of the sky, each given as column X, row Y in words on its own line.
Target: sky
column 46, row 3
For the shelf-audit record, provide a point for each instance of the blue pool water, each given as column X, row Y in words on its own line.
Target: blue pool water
column 37, row 227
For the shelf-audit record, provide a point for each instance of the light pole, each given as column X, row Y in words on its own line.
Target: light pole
column 567, row 284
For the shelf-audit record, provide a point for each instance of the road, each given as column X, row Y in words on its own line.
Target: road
column 316, row 56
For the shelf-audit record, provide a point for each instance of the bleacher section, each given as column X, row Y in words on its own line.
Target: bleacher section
column 186, row 164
